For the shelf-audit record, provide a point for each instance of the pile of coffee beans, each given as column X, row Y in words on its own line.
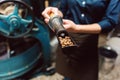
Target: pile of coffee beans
column 66, row 41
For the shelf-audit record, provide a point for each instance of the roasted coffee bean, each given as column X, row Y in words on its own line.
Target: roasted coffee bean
column 65, row 41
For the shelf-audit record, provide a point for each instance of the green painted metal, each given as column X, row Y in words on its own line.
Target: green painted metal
column 18, row 65
column 25, row 61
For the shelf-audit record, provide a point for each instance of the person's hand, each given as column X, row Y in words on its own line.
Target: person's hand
column 69, row 25
column 48, row 11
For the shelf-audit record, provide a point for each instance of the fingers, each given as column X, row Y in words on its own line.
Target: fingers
column 48, row 11
column 46, row 20
column 55, row 11
column 66, row 22
column 69, row 25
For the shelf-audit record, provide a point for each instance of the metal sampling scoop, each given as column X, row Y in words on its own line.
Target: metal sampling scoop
column 56, row 24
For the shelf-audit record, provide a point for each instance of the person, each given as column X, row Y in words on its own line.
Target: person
column 84, row 20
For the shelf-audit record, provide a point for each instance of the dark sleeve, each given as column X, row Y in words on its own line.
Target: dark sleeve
column 63, row 6
column 110, row 19
column 54, row 3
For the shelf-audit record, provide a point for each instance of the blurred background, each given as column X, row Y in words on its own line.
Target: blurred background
column 109, row 43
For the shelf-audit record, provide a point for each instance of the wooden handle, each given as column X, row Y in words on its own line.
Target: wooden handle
column 52, row 15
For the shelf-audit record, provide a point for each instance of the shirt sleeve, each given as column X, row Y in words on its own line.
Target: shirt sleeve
column 110, row 20
column 63, row 6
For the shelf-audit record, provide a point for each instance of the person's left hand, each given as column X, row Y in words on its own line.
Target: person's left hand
column 69, row 25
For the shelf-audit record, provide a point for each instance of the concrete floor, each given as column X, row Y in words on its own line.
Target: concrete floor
column 114, row 74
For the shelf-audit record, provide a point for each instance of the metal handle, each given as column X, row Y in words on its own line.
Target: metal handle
column 55, row 23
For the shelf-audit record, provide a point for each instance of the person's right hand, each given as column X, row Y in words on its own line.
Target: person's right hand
column 48, row 11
